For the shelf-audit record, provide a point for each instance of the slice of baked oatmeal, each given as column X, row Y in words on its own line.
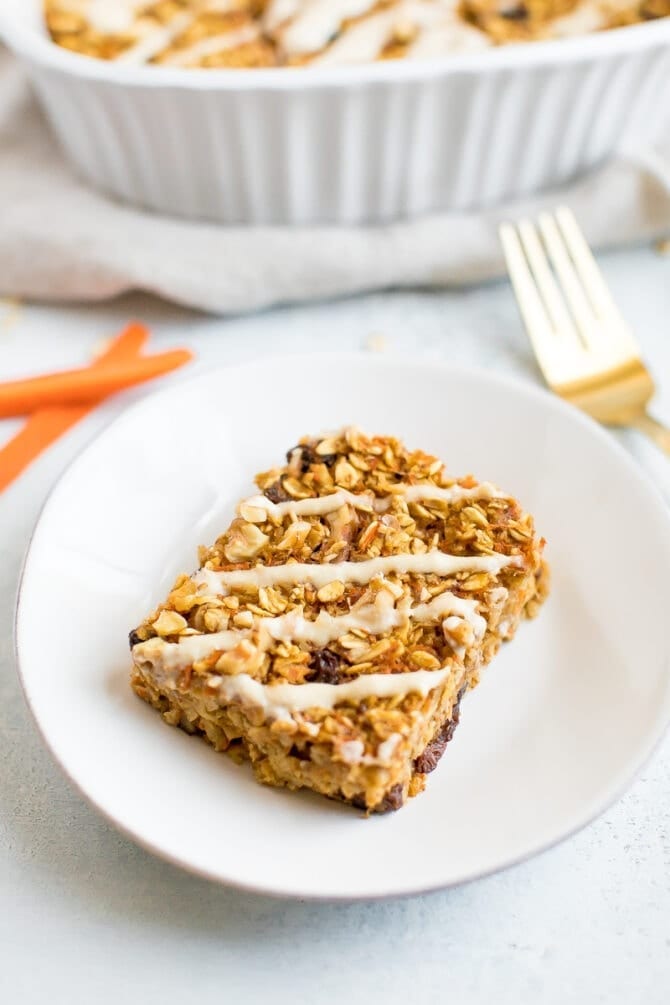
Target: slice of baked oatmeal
column 333, row 629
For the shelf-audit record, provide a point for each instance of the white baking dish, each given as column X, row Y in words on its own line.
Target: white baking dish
column 354, row 144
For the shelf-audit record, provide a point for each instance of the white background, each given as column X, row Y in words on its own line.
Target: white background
column 86, row 916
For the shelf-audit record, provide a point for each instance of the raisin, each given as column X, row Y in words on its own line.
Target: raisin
column 652, row 9
column 306, row 456
column 325, row 667
column 276, row 493
column 133, row 639
column 302, row 755
column 309, row 456
column 428, row 760
column 518, row 12
column 392, row 800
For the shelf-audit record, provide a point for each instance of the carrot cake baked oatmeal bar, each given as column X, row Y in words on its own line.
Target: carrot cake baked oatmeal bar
column 334, row 627
column 261, row 33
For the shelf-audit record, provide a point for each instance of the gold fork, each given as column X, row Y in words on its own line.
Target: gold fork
column 584, row 347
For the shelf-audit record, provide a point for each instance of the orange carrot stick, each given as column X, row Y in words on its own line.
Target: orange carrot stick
column 80, row 387
column 124, row 346
column 45, row 426
column 40, row 431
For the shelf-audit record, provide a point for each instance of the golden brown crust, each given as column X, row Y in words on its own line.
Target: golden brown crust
column 359, row 464
column 293, row 756
column 336, row 751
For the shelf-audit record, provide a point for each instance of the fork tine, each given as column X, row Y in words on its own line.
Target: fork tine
column 553, row 301
column 594, row 281
column 592, row 277
column 579, row 306
column 536, row 321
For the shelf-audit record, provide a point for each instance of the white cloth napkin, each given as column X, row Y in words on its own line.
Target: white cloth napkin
column 62, row 240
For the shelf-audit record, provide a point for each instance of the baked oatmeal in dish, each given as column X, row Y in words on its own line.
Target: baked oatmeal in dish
column 266, row 33
column 333, row 629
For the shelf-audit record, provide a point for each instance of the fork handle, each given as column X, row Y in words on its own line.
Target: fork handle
column 656, row 431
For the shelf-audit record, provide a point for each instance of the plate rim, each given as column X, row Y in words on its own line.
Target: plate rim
column 511, row 382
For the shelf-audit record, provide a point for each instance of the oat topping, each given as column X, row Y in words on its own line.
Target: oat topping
column 361, row 586
column 266, row 33
column 337, row 568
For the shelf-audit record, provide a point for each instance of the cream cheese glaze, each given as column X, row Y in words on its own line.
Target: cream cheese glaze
column 112, row 17
column 435, row 562
column 167, row 660
column 155, row 40
column 316, row 21
column 119, row 17
column 436, row 26
column 366, row 501
column 304, row 27
column 300, row 28
column 279, row 701
column 322, row 32
column 353, row 751
column 374, row 619
column 190, row 55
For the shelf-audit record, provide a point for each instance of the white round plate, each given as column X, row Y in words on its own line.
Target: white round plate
column 560, row 723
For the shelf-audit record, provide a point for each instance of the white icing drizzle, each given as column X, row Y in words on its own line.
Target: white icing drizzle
column 320, row 505
column 431, row 562
column 175, row 656
column 304, row 27
column 212, row 45
column 152, row 40
column 307, row 27
column 353, row 751
column 113, row 17
column 456, row 607
column 120, row 17
column 316, row 23
column 451, row 36
column 279, row 11
column 451, row 494
column 374, row 619
column 587, row 17
column 316, row 506
column 362, row 43
column 278, row 701
column 387, row 748
column 155, row 40
column 449, row 625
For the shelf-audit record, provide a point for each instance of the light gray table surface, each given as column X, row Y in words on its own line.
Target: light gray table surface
column 87, row 917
